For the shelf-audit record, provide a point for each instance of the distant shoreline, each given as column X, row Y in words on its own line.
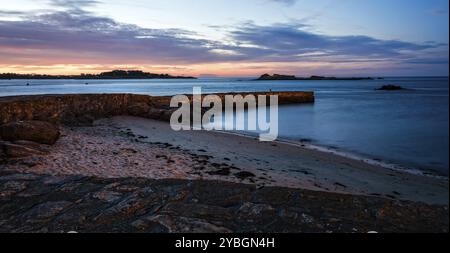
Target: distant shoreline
column 112, row 75
column 278, row 77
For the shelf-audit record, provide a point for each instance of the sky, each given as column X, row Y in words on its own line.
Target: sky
column 226, row 37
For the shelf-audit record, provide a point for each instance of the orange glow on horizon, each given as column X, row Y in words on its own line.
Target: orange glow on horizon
column 227, row 69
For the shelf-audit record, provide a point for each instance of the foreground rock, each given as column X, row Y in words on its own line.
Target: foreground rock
column 35, row 131
column 11, row 150
column 40, row 203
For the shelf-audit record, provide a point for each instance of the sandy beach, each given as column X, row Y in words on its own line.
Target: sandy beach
column 125, row 146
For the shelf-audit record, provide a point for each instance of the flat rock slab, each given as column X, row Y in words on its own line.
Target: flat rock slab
column 41, row 203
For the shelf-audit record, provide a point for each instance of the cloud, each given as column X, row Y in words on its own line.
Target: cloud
column 438, row 12
column 292, row 42
column 74, row 4
column 286, row 2
column 76, row 36
column 10, row 13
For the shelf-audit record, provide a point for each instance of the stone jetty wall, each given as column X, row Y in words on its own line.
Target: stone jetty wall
column 84, row 108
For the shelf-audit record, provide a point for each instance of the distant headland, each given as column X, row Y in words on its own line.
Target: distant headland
column 277, row 77
column 115, row 74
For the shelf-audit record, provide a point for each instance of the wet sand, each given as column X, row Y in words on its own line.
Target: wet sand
column 294, row 166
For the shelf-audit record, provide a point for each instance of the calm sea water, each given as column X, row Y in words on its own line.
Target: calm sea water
column 410, row 128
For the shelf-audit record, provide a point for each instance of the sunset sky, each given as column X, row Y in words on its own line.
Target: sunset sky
column 226, row 37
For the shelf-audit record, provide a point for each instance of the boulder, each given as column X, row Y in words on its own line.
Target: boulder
column 36, row 131
column 33, row 145
column 10, row 150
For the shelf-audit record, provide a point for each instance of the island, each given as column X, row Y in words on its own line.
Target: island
column 391, row 87
column 115, row 74
column 278, row 77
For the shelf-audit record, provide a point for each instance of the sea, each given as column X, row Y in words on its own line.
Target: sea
column 408, row 129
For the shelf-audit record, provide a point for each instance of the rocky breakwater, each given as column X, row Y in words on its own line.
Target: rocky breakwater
column 83, row 109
